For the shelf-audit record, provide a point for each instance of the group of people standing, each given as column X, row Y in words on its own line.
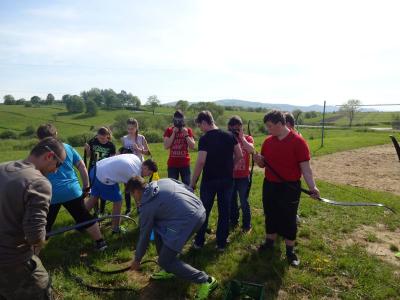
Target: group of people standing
column 167, row 207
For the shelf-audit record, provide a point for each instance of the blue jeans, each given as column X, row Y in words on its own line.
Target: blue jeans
column 223, row 189
column 240, row 186
column 184, row 172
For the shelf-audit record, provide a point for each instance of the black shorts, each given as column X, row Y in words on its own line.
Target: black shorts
column 76, row 209
column 280, row 204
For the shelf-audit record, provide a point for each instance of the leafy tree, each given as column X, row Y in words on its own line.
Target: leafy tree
column 9, row 100
column 350, row 108
column 20, row 101
column 297, row 116
column 111, row 99
column 50, row 99
column 35, row 100
column 183, row 105
column 75, row 104
column 153, row 102
column 65, row 98
column 133, row 102
column 216, row 110
column 91, row 108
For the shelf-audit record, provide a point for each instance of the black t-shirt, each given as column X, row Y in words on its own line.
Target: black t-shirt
column 98, row 151
column 219, row 146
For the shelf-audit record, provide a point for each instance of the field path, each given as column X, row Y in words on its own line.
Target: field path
column 375, row 168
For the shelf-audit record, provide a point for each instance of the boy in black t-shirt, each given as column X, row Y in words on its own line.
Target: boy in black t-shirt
column 216, row 160
column 98, row 148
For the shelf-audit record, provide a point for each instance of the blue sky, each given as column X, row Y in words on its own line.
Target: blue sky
column 295, row 52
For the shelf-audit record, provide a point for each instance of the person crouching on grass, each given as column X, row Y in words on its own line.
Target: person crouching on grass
column 175, row 213
column 109, row 173
column 289, row 157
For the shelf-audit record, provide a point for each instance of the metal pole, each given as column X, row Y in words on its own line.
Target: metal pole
column 323, row 126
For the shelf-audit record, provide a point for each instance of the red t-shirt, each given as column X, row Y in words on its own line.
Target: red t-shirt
column 178, row 153
column 241, row 169
column 285, row 156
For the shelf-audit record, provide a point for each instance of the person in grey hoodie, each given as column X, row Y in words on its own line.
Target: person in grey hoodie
column 175, row 213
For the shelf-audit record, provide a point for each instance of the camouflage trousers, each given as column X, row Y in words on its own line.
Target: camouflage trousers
column 28, row 280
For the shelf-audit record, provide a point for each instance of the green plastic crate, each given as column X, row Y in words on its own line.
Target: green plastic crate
column 240, row 290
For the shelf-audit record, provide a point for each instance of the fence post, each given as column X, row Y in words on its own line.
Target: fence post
column 323, row 125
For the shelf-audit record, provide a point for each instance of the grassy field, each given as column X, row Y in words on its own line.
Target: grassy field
column 330, row 268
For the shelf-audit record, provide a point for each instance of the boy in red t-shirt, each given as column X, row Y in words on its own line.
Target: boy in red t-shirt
column 241, row 176
column 288, row 156
column 179, row 139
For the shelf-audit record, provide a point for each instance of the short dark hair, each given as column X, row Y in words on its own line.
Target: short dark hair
column 274, row 116
column 46, row 130
column 206, row 116
column 135, row 183
column 178, row 114
column 235, row 120
column 289, row 118
column 151, row 164
column 47, row 143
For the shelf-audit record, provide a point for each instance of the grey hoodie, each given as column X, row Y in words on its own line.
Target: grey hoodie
column 172, row 210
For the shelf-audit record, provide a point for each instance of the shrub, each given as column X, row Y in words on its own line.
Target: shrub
column 80, row 139
column 30, row 131
column 28, row 104
column 153, row 136
column 8, row 134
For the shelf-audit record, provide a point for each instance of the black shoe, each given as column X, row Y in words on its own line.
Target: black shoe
column 128, row 211
column 293, row 260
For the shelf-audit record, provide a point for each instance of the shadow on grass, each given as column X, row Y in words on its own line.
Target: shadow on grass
column 264, row 268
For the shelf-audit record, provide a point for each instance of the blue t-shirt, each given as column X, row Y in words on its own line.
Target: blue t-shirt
column 64, row 182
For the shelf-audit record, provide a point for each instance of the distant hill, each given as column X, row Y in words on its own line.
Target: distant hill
column 252, row 104
column 284, row 107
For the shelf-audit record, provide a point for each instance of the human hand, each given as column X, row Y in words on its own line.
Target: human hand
column 314, row 193
column 185, row 131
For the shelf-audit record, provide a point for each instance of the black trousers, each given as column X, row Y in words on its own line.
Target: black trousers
column 280, row 204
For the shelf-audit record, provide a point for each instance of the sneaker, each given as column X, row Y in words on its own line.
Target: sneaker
column 162, row 275
column 195, row 246
column 101, row 245
column 298, row 220
column 120, row 230
column 205, row 289
column 293, row 260
column 128, row 211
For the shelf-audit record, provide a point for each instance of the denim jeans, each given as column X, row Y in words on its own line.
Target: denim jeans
column 184, row 172
column 240, row 186
column 223, row 189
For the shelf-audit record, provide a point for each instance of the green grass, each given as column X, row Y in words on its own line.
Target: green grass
column 329, row 268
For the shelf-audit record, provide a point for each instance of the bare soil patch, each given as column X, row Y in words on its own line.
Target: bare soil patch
column 375, row 168
column 377, row 241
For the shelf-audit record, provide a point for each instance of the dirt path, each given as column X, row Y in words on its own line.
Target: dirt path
column 376, row 168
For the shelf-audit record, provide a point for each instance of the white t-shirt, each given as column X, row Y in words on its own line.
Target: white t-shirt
column 118, row 169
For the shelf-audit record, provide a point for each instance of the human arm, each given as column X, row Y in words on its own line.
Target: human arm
column 84, row 174
column 188, row 137
column 146, row 224
column 169, row 139
column 247, row 141
column 37, row 198
column 201, row 161
column 309, row 178
column 238, row 154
